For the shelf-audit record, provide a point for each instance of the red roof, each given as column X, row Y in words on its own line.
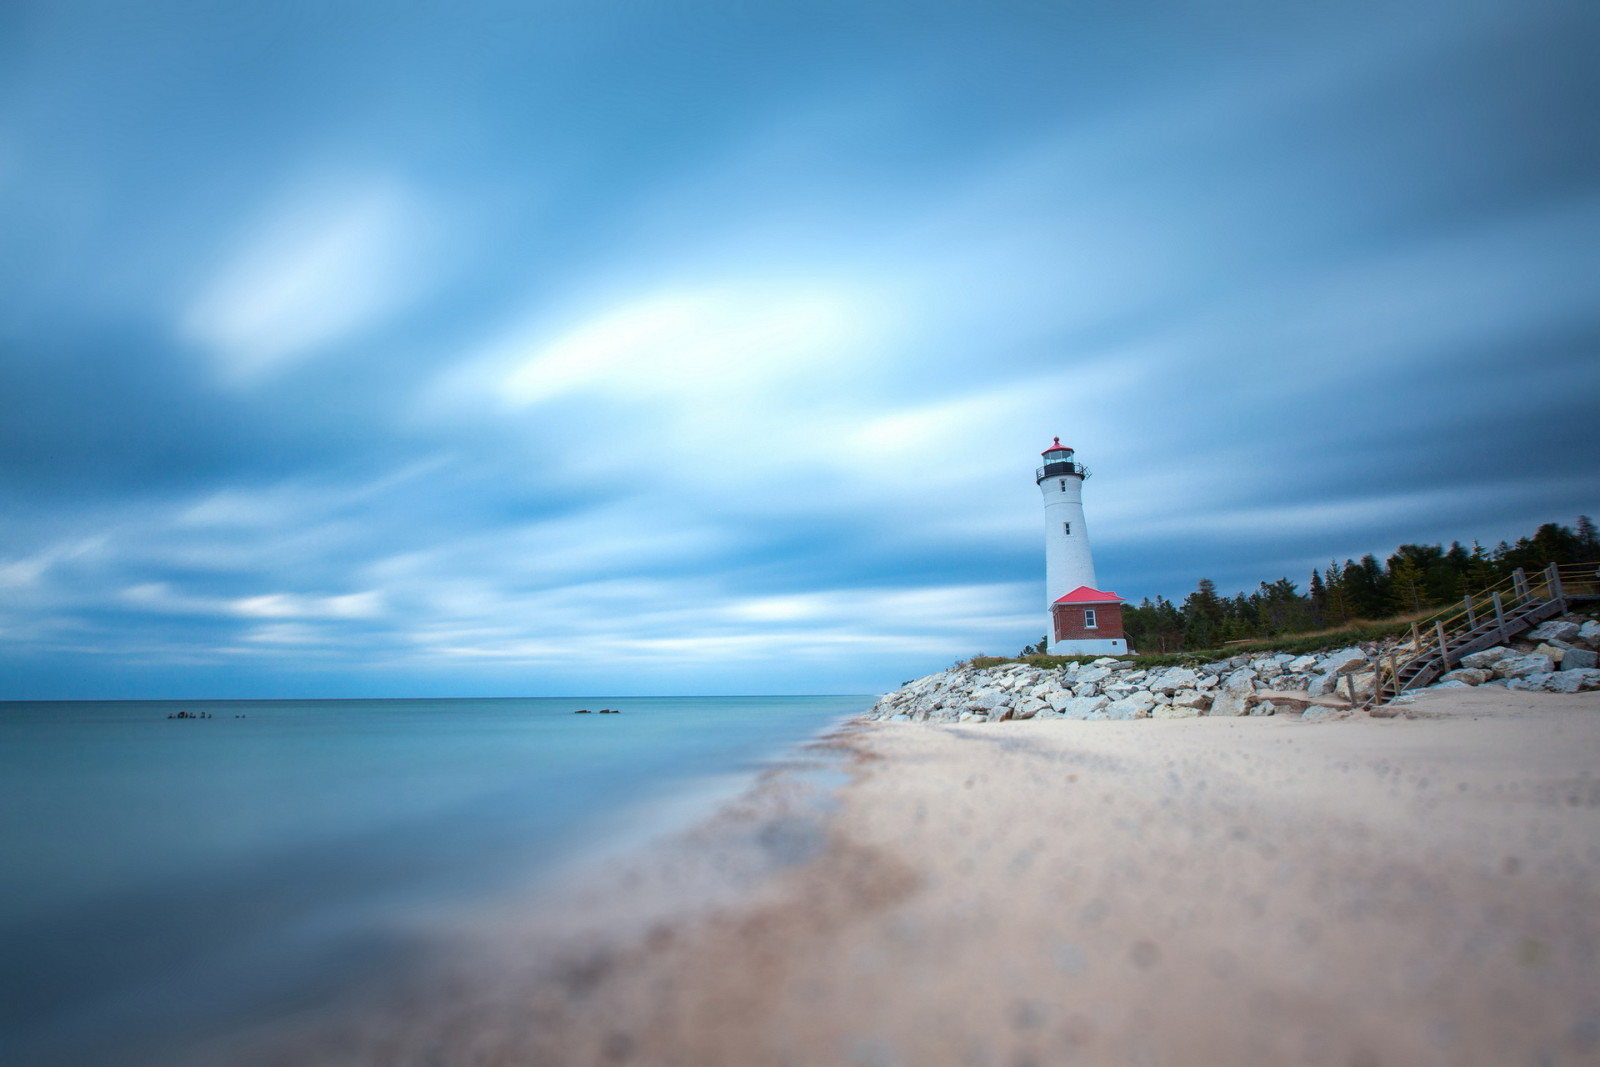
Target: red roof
column 1084, row 595
column 1057, row 447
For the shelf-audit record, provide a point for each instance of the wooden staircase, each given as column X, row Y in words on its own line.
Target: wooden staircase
column 1482, row 621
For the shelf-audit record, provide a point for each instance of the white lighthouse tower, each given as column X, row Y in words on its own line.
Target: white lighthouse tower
column 1083, row 618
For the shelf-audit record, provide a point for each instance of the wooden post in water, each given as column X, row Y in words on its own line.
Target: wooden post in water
column 1499, row 615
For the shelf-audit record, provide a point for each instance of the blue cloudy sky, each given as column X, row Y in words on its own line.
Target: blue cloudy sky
column 596, row 347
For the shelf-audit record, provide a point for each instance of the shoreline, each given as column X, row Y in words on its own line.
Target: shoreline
column 1419, row 889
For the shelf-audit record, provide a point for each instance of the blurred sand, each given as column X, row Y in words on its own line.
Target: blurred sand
column 1357, row 892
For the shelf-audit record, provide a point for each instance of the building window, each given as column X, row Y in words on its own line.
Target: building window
column 1066, row 528
column 1063, row 485
column 1088, row 619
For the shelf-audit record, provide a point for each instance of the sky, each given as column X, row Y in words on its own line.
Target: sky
column 513, row 348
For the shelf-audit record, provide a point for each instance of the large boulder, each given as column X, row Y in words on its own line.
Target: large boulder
column 1578, row 659
column 1172, row 680
column 1094, row 674
column 1547, row 649
column 1322, row 685
column 1590, row 632
column 1136, row 706
column 1174, row 711
column 1234, row 696
column 1084, row 707
column 1343, row 661
column 1556, row 628
column 987, row 699
column 1468, row 676
column 1027, row 708
column 1488, row 657
column 1576, row 681
column 1522, row 666
column 1192, row 699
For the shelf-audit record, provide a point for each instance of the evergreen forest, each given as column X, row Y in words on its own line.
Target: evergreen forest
column 1414, row 579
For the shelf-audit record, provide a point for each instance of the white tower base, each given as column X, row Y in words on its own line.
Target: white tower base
column 1114, row 646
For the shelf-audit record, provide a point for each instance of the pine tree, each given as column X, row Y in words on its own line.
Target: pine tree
column 1338, row 600
column 1588, row 541
column 1203, row 612
column 1406, row 584
column 1319, row 597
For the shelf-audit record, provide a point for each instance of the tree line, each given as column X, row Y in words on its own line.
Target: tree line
column 1413, row 579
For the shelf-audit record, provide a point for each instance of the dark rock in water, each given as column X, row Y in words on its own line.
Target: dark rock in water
column 581, row 711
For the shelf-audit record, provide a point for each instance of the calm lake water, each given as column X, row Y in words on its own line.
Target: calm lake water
column 161, row 875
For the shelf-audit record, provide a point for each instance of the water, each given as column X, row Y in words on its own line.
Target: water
column 161, row 876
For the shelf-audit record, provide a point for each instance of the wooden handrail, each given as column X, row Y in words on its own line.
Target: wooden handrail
column 1509, row 600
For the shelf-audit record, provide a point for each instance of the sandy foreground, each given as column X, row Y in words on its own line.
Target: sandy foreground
column 1356, row 892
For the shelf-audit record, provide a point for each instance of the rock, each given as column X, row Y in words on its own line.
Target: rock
column 1208, row 681
column 1173, row 679
column 1234, row 698
column 1343, row 661
column 1094, row 673
column 1027, row 708
column 1467, row 676
column 1552, row 651
column 1488, row 657
column 1061, row 699
column 1266, row 707
column 1574, row 681
column 1451, row 683
column 1088, row 689
column 986, row 699
column 1366, row 685
column 1590, row 632
column 1578, row 659
column 1302, row 664
column 1318, row 711
column 1192, row 699
column 1174, row 711
column 1522, row 666
column 1136, row 706
column 1322, row 685
column 1566, row 631
column 1086, row 707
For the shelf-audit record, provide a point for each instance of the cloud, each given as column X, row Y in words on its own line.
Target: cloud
column 332, row 258
column 163, row 597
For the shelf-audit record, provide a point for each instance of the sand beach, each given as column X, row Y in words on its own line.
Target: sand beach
column 1423, row 889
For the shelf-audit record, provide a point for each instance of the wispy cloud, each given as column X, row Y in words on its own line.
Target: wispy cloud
column 332, row 258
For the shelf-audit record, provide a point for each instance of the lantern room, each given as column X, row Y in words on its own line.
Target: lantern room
column 1059, row 462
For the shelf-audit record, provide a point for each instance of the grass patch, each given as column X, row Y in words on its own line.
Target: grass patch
column 1293, row 644
column 1055, row 663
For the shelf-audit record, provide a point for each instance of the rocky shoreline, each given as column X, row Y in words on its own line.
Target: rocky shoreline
column 1558, row 656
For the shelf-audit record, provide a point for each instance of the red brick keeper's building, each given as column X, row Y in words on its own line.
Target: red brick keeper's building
column 1087, row 614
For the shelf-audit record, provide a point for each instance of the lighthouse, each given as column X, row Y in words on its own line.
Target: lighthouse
column 1084, row 619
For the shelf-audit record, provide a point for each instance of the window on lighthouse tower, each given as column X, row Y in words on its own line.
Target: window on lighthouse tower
column 1066, row 528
